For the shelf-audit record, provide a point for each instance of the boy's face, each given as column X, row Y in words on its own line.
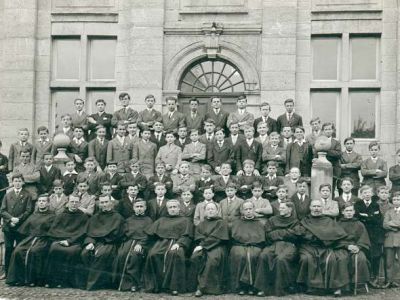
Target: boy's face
column 349, row 145
column 366, row 194
column 316, row 125
column 325, row 192
column 294, row 174
column 186, row 196
column 219, row 135
column 135, row 167
column 205, row 173
column 17, row 183
column 287, row 132
column 150, row 102
column 249, row 133
column 70, row 166
column 299, row 134
column 230, row 192
column 105, row 204
column 171, row 105
column 257, row 192
column 346, row 186
column 216, row 103
column 106, row 190
column 242, row 103
column 396, row 201
column 182, row 132
column 208, row 194
column 170, row 138
column 160, row 169
column 226, row 170
column 265, row 110
column 79, row 105
column 42, row 203
column 58, row 190
column 194, row 106
column 66, row 121
column 90, row 166
column 234, row 129
column 328, row 131
column 133, row 191
column 101, row 132
column 78, row 133
column 83, row 187
column 274, row 139
column 25, row 157
column 121, row 130
column 262, row 129
column 301, row 188
column 184, row 169
column 139, row 207
column 383, row 195
column 289, row 106
column 348, row 212
column 158, row 127
column 23, row 135
column 374, row 150
column 48, row 160
column 271, row 170
column 160, row 191
column 284, row 209
column 211, row 211
column 132, row 129
column 248, row 168
column 112, row 168
column 209, row 127
column 146, row 135
column 100, row 106
column 194, row 136
column 281, row 194
column 43, row 135
column 125, row 101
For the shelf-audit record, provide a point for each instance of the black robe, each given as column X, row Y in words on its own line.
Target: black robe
column 166, row 269
column 29, row 257
column 323, row 255
column 63, row 263
column 276, row 270
column 128, row 264
column 248, row 239
column 104, row 230
column 358, row 264
column 208, row 267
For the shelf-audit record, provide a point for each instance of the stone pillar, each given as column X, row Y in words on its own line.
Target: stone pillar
column 321, row 172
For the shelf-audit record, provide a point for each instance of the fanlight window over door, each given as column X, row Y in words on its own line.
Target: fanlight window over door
column 212, row 76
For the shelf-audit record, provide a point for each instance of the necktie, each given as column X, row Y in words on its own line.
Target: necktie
column 159, row 202
column 209, row 138
column 220, row 144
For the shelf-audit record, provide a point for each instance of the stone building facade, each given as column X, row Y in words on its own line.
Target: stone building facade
column 336, row 58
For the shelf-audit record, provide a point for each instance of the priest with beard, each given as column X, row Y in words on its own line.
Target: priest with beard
column 29, row 257
column 358, row 245
column 248, row 240
column 66, row 233
column 323, row 252
column 276, row 271
column 208, row 265
column 104, row 232
column 128, row 264
column 165, row 268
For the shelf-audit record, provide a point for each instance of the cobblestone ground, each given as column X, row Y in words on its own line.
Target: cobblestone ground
column 37, row 293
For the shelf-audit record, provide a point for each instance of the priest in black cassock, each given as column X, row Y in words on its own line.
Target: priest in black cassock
column 276, row 270
column 104, row 232
column 208, row 263
column 128, row 264
column 323, row 252
column 248, row 240
column 165, row 268
column 358, row 245
column 67, row 233
column 29, row 257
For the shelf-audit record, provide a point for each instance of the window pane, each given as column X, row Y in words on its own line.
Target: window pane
column 106, row 95
column 324, row 105
column 63, row 103
column 325, row 58
column 66, row 56
column 363, row 114
column 102, row 58
column 364, row 60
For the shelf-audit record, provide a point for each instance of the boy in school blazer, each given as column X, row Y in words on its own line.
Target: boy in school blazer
column 97, row 147
column 126, row 114
column 217, row 114
column 374, row 169
column 145, row 152
column 241, row 116
column 41, row 146
column 149, row 115
column 16, row 148
column 101, row 118
column 119, row 149
column 289, row 118
column 219, row 151
column 172, row 119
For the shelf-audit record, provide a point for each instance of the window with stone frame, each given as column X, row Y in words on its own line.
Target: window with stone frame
column 345, row 84
column 82, row 67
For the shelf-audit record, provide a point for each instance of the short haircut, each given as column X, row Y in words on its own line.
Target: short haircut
column 249, row 128
column 78, row 127
column 23, row 129
column 70, row 160
column 25, row 150
column 396, row 194
column 206, row 167
column 274, row 133
column 171, row 98
column 272, row 163
column 160, row 164
column 289, row 204
column 91, row 159
column 256, row 184
column 283, row 187
column 42, row 128
column 215, row 97
column 328, row 185
column 373, row 144
column 66, row 115
column 316, row 119
column 231, row 185
column 347, row 204
column 349, row 139
column 289, row 100
column 241, row 97
column 47, row 154
column 382, row 188
column 79, row 99
column 100, row 127
column 210, row 121
column 226, row 164
column 365, row 187
column 121, row 123
column 194, row 100
column 208, row 187
column 349, row 179
column 265, row 104
column 44, row 195
column 233, row 123
column 81, row 180
column 101, row 101
column 134, row 161
column 301, row 181
column 112, row 162
column 248, row 162
column 159, row 184
column 327, row 124
column 212, row 203
column 246, row 202
column 150, row 96
column 219, row 129
column 123, row 95
column 261, row 123
column 58, row 183
column 299, row 127
column 283, row 127
column 169, row 132
column 17, row 175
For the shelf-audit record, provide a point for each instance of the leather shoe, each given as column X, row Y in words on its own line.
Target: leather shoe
column 198, row 293
column 133, row 289
column 261, row 294
column 174, row 293
column 241, row 293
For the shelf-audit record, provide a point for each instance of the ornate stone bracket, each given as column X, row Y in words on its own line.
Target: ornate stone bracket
column 211, row 40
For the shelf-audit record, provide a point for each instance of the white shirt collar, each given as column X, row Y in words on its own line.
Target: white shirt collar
column 73, row 172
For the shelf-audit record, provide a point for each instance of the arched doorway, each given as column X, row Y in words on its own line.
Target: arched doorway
column 211, row 77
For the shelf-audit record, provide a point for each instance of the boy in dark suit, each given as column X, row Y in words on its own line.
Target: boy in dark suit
column 249, row 149
column 101, row 118
column 149, row 115
column 48, row 173
column 69, row 177
column 187, row 206
column 220, row 151
column 205, row 181
column 93, row 177
column 271, row 181
column 97, row 147
column 66, row 127
column 209, row 136
column 193, row 119
column 134, row 177
column 301, row 200
column 16, row 148
column 182, row 139
column 119, row 149
column 394, row 174
column 290, row 118
column 158, row 137
column 113, row 177
column 79, row 148
column 159, row 177
column 126, row 114
column 350, row 164
column 16, row 207
column 222, row 180
column 374, row 169
column 346, row 185
column 299, row 153
column 79, row 117
column 42, row 146
column 246, row 180
column 3, row 174
column 265, row 110
column 125, row 205
column 156, row 207
column 173, row 119
column 272, row 152
column 216, row 113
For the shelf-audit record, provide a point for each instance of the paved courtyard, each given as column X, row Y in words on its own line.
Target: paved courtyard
column 7, row 292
